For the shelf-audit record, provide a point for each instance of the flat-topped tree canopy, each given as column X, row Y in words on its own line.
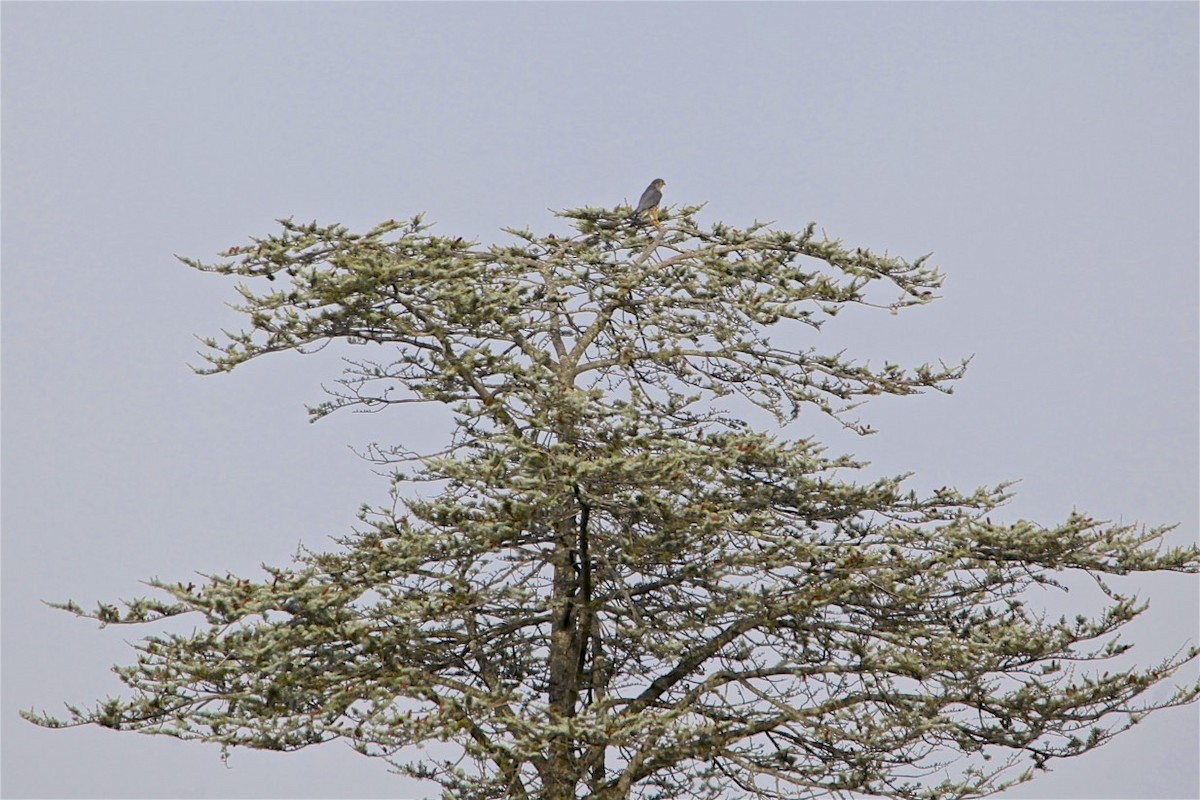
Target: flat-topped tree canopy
column 620, row 587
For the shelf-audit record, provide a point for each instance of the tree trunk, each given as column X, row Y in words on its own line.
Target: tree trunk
column 560, row 776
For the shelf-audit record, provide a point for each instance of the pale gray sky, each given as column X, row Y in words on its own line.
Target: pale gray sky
column 1047, row 154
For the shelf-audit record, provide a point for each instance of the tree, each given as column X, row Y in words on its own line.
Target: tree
column 621, row 587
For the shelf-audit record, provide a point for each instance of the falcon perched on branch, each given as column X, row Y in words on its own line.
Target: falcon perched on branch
column 647, row 207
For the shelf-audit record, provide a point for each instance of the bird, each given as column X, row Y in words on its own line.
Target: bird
column 647, row 207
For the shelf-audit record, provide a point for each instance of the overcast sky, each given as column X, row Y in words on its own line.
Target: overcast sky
column 1046, row 154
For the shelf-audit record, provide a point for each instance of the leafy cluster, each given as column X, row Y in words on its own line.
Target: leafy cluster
column 622, row 589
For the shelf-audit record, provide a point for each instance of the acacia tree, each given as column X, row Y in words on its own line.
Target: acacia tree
column 620, row 588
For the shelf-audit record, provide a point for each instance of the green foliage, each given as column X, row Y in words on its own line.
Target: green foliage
column 622, row 588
